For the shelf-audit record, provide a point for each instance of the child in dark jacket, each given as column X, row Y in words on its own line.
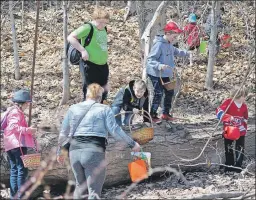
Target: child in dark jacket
column 160, row 62
column 236, row 116
column 132, row 97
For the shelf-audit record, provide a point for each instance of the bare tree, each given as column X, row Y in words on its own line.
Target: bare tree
column 130, row 9
column 146, row 37
column 212, row 44
column 15, row 46
column 146, row 11
column 22, row 16
column 66, row 84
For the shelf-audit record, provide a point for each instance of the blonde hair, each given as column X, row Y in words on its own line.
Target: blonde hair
column 94, row 91
column 242, row 93
column 100, row 14
column 140, row 84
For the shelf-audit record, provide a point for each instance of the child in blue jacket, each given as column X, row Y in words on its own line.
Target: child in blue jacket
column 161, row 58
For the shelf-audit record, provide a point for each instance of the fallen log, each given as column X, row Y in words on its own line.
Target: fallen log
column 186, row 141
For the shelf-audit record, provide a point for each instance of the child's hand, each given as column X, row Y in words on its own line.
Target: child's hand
column 135, row 110
column 163, row 67
column 85, row 55
column 147, row 124
column 32, row 130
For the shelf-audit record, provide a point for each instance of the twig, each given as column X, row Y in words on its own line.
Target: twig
column 223, row 195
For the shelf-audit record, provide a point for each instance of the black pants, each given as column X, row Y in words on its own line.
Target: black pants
column 95, row 74
column 239, row 153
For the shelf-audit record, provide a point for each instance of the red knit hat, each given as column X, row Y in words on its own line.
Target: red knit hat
column 172, row 26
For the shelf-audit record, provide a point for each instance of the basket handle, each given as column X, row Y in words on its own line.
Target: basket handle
column 21, row 148
column 174, row 75
column 123, row 113
column 150, row 118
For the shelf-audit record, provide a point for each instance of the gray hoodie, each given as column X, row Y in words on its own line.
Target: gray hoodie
column 162, row 53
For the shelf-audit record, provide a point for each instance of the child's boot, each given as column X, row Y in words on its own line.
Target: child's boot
column 155, row 118
column 167, row 117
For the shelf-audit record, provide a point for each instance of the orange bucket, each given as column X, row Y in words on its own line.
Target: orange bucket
column 138, row 170
column 232, row 133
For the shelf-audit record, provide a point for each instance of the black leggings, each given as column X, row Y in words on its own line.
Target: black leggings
column 95, row 74
column 239, row 152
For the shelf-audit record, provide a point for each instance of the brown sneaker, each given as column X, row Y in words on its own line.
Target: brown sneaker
column 167, row 117
column 155, row 118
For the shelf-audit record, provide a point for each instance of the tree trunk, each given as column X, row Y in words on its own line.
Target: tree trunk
column 66, row 84
column 130, row 9
column 163, row 147
column 146, row 11
column 15, row 46
column 97, row 3
column 212, row 46
column 22, row 16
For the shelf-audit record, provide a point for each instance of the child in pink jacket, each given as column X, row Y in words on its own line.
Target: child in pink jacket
column 17, row 136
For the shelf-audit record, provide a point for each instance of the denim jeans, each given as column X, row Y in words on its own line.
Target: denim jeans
column 18, row 173
column 88, row 172
column 116, row 110
column 158, row 94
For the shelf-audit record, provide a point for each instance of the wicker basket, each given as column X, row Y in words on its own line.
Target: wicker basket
column 171, row 84
column 31, row 160
column 145, row 134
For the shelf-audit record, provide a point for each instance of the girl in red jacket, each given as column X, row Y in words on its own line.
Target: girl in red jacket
column 236, row 116
column 192, row 34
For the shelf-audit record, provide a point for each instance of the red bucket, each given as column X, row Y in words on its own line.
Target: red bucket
column 225, row 41
column 231, row 133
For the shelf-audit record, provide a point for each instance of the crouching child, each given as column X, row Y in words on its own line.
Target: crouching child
column 133, row 97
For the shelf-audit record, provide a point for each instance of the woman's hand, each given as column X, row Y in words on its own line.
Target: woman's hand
column 136, row 148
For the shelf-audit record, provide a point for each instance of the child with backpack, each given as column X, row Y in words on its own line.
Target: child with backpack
column 234, row 128
column 160, row 63
column 93, row 50
column 17, row 136
column 133, row 97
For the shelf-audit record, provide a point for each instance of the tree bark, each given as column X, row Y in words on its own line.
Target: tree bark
column 14, row 41
column 65, row 68
column 212, row 46
column 22, row 16
column 130, row 9
column 146, row 39
column 146, row 11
